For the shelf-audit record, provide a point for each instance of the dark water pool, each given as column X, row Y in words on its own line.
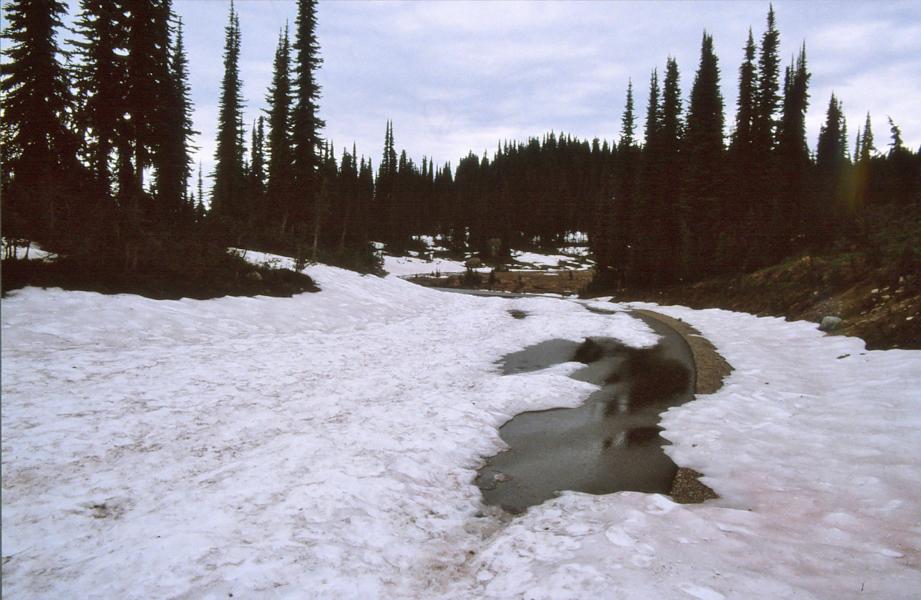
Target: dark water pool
column 611, row 442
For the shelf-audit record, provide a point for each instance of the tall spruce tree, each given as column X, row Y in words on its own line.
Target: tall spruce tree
column 671, row 165
column 793, row 162
column 646, row 227
column 621, row 259
column 863, row 169
column 385, row 185
column 99, row 79
column 745, row 103
column 39, row 151
column 365, row 201
column 740, row 205
column 200, row 206
column 831, row 165
column 256, row 174
column 703, row 181
column 306, row 123
column 226, row 196
column 280, row 171
column 174, row 156
column 148, row 83
column 767, row 95
column 762, row 168
column 866, row 143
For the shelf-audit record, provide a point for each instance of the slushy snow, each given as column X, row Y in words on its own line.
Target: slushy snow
column 325, row 445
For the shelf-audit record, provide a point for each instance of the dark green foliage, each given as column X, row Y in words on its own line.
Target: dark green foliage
column 791, row 214
column 679, row 207
column 148, row 87
column 832, row 204
column 703, row 184
column 173, row 152
column 742, row 182
column 227, row 195
column 305, row 121
column 100, row 80
column 256, row 174
column 39, row 150
column 615, row 210
column 666, row 268
column 279, row 197
column 766, row 93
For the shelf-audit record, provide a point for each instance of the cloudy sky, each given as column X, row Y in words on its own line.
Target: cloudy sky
column 459, row 76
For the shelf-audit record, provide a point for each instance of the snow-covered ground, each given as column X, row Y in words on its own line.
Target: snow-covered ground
column 325, row 445
column 401, row 266
column 553, row 260
column 31, row 251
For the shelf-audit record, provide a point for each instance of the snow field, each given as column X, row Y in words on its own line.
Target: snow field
column 816, row 460
column 325, row 446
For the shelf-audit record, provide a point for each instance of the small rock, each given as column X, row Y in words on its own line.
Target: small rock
column 254, row 276
column 830, row 323
column 909, row 318
column 874, row 291
column 886, row 296
column 500, row 477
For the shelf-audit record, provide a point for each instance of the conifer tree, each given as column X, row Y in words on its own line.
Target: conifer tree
column 745, row 104
column 628, row 120
column 257, row 159
column 200, row 207
column 256, row 173
column 39, row 151
column 365, row 201
column 671, row 167
column 740, row 206
column 148, row 83
column 653, row 116
column 622, row 252
column 866, row 143
column 831, row 164
column 648, row 209
column 348, row 197
column 760, row 169
column 386, row 184
column 280, row 171
column 793, row 162
column 228, row 170
column 174, row 158
column 766, row 92
column 99, row 79
column 306, row 123
column 703, row 148
column 327, row 198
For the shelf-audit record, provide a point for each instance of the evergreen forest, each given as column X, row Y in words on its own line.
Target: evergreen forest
column 98, row 139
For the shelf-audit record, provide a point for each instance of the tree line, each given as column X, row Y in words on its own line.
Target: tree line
column 97, row 144
column 98, row 140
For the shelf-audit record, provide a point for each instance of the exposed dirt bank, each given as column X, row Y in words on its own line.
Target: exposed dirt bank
column 880, row 306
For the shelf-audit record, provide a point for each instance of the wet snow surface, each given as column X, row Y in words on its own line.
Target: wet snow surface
column 325, row 446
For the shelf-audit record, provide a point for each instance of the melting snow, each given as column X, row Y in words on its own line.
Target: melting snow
column 325, row 446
